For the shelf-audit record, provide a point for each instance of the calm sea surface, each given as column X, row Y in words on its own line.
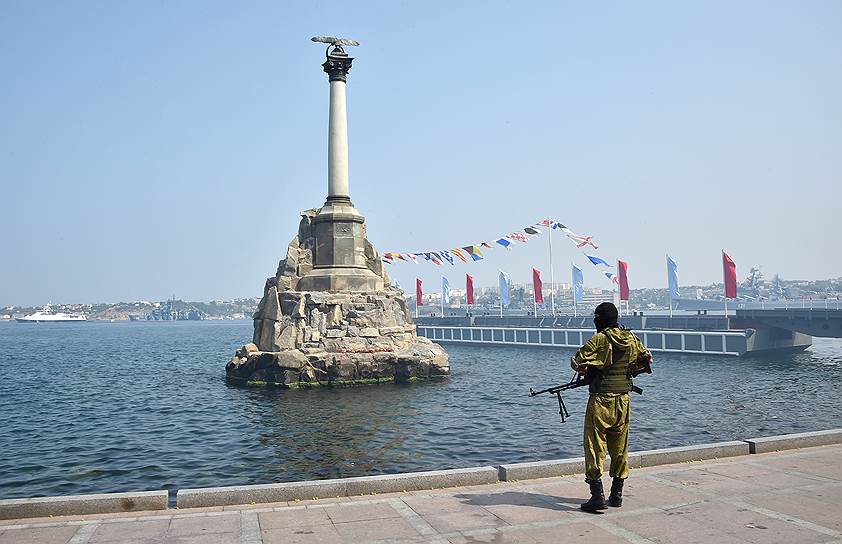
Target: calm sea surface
column 100, row 407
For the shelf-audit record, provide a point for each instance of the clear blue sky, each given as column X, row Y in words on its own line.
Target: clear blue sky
column 158, row 148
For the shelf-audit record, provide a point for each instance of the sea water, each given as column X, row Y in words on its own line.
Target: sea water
column 103, row 407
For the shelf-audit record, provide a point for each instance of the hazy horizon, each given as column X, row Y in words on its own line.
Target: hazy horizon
column 157, row 149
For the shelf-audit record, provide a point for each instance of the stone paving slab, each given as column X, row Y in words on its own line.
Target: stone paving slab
column 792, row 496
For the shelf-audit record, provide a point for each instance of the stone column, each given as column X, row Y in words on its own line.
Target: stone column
column 339, row 259
column 337, row 142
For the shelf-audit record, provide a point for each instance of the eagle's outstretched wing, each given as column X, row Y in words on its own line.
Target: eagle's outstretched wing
column 334, row 41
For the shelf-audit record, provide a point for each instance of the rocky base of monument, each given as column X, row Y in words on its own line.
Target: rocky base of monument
column 309, row 338
column 319, row 338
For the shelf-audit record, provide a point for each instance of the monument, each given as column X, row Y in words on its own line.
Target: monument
column 330, row 314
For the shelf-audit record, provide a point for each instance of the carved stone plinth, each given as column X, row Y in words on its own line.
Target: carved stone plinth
column 340, row 262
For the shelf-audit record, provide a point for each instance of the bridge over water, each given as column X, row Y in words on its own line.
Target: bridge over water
column 822, row 322
column 742, row 333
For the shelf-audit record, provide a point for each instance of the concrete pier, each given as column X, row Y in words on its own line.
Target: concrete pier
column 701, row 335
column 791, row 496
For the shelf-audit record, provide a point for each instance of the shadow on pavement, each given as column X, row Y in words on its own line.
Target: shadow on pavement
column 519, row 498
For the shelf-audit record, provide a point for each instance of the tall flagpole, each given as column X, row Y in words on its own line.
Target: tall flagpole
column 726, row 313
column 535, row 298
column 552, row 275
column 620, row 309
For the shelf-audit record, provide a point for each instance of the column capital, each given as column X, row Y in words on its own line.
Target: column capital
column 337, row 65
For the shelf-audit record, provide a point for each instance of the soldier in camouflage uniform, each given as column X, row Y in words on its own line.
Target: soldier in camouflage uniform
column 607, row 359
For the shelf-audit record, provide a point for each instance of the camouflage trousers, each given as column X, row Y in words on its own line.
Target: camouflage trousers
column 607, row 427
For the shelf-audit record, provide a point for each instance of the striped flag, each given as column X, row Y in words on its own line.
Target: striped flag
column 459, row 253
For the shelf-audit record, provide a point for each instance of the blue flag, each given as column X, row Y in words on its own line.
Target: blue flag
column 445, row 290
column 578, row 285
column 597, row 261
column 504, row 288
column 672, row 275
column 505, row 243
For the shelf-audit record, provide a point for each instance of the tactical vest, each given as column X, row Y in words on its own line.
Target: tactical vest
column 616, row 379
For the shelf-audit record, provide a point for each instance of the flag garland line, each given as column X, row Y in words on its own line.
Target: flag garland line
column 474, row 252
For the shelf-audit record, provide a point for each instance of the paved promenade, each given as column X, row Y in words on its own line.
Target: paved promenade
column 792, row 497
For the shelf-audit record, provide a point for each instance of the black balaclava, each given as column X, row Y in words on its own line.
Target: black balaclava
column 605, row 315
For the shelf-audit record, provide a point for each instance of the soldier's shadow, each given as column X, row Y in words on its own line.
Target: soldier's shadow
column 519, row 498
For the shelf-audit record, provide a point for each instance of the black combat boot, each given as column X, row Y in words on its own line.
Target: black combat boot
column 597, row 500
column 615, row 499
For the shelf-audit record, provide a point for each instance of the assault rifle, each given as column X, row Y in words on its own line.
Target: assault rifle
column 641, row 365
column 578, row 380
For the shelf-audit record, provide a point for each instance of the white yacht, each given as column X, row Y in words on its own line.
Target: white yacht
column 47, row 315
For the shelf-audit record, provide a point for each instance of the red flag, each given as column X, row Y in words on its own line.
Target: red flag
column 419, row 296
column 623, row 268
column 469, row 280
column 537, row 286
column 729, row 272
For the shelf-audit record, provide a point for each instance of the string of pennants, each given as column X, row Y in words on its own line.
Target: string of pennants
column 474, row 252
